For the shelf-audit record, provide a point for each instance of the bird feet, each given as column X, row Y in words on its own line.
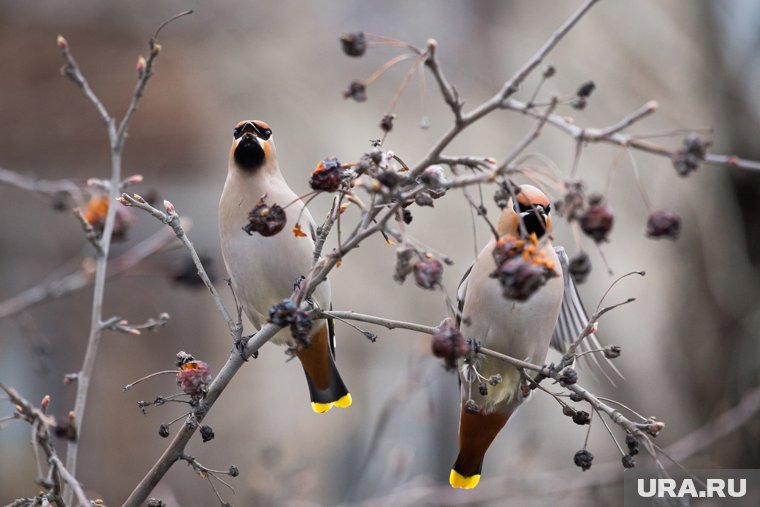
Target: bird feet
column 241, row 347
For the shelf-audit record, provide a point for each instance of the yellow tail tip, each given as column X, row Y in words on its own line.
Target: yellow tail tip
column 459, row 481
column 321, row 408
column 344, row 402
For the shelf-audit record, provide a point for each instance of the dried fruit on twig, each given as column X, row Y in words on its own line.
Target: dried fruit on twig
column 286, row 313
column 386, row 123
column 581, row 417
column 663, row 224
column 433, row 176
column 96, row 212
column 207, row 433
column 428, row 272
column 357, row 90
column 472, row 408
column 628, row 461
column 598, row 219
column 266, row 220
column 612, row 351
column 583, row 459
column 449, row 344
column 508, row 247
column 327, row 176
column 194, row 377
column 353, row 44
column 580, row 267
column 572, row 204
column 692, row 152
column 568, row 377
column 404, row 265
column 520, row 278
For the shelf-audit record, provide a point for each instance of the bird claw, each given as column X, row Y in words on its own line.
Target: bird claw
column 241, row 347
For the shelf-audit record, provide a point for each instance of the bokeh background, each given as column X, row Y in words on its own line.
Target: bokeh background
column 690, row 341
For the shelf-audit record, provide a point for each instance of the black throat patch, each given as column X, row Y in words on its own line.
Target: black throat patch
column 249, row 155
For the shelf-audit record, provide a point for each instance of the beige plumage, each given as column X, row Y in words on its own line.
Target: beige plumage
column 263, row 269
column 552, row 316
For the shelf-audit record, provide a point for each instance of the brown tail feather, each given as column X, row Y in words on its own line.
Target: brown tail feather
column 476, row 432
column 325, row 385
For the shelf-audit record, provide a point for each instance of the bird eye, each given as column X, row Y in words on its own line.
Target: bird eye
column 264, row 134
column 548, row 208
column 237, row 132
column 524, row 207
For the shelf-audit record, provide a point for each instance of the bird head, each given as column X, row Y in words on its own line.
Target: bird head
column 531, row 207
column 252, row 146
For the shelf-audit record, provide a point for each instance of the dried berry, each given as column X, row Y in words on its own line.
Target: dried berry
column 353, row 44
column 407, row 216
column 266, row 220
column 581, row 417
column 548, row 71
column 389, row 179
column 572, row 204
column 403, row 263
column 357, row 90
column 194, row 377
column 579, row 103
column 471, row 407
column 300, row 328
column 424, row 198
column 576, row 397
column 386, row 123
column 483, row 389
column 663, row 224
column 163, row 431
column 327, row 176
column 428, row 272
column 584, row 91
column 433, row 176
column 65, row 428
column 612, row 351
column 96, row 211
column 568, row 411
column 207, row 433
column 568, row 377
column 580, row 267
column 283, row 313
column 628, row 461
column 449, row 344
column 692, row 152
column 234, row 472
column 583, row 459
column 520, row 278
column 495, row 379
column 632, row 443
column 508, row 247
column 598, row 219
column 155, row 502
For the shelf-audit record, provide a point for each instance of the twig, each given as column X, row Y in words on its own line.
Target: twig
column 41, row 424
column 172, row 219
column 116, row 139
column 89, row 232
column 47, row 187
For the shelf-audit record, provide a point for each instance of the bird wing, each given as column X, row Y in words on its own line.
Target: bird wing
column 461, row 293
column 572, row 321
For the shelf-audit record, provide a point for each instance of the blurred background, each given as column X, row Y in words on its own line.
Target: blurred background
column 691, row 341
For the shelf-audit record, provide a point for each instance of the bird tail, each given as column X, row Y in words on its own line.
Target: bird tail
column 476, row 432
column 326, row 388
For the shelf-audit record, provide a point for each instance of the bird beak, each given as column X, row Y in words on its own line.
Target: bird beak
column 249, row 132
column 534, row 220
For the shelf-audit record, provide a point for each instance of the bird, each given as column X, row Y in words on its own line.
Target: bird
column 263, row 270
column 554, row 315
